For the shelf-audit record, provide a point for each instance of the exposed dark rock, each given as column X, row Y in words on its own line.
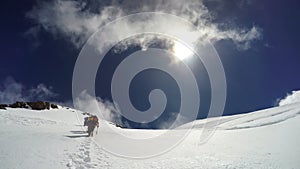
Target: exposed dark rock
column 19, row 105
column 54, row 106
column 39, row 105
column 31, row 105
column 118, row 125
column 86, row 113
column 3, row 106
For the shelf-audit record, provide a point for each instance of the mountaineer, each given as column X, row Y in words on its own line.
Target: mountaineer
column 92, row 122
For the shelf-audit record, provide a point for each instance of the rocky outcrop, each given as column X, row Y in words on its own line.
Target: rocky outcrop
column 53, row 106
column 19, row 105
column 86, row 113
column 118, row 125
column 39, row 105
column 3, row 106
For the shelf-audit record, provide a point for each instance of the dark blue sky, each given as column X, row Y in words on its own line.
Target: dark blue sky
column 256, row 78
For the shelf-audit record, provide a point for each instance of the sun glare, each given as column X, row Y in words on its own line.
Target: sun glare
column 181, row 51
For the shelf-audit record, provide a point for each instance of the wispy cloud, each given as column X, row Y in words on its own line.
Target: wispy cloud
column 97, row 106
column 12, row 91
column 70, row 19
column 176, row 120
column 293, row 97
column 77, row 20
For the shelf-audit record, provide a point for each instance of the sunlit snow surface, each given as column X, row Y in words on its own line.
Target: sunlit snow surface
column 55, row 139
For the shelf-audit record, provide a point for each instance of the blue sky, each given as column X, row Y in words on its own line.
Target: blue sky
column 39, row 52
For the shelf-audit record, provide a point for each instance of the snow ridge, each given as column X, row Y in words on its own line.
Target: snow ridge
column 56, row 139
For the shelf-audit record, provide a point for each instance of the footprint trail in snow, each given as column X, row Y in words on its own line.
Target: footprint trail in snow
column 89, row 155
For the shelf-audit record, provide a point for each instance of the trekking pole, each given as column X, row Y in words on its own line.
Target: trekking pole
column 97, row 130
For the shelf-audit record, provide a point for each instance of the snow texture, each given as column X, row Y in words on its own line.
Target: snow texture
column 266, row 139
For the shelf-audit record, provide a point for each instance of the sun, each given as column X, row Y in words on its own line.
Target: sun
column 181, row 51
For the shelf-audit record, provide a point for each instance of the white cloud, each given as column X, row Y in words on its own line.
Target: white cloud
column 77, row 20
column 98, row 106
column 41, row 92
column 293, row 97
column 69, row 19
column 12, row 91
column 174, row 121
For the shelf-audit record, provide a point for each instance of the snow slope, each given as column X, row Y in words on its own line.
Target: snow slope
column 55, row 139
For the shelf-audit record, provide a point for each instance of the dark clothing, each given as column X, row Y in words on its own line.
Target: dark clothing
column 85, row 121
column 91, row 130
column 91, row 126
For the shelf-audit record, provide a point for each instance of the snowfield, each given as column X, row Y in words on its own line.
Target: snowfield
column 266, row 139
